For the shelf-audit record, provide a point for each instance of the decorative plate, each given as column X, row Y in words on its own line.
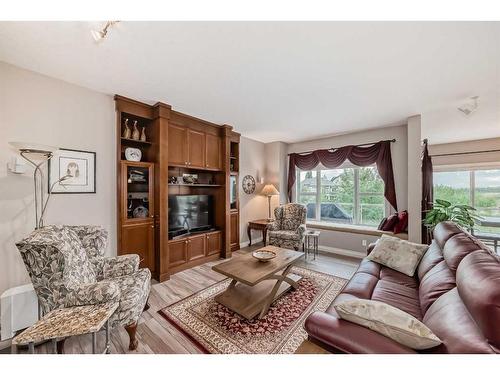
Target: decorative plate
column 140, row 211
column 264, row 255
column 248, row 184
column 133, row 154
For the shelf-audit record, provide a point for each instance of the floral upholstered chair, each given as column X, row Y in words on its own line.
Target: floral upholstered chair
column 288, row 229
column 68, row 268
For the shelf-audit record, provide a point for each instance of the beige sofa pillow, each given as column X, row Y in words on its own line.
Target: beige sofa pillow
column 398, row 254
column 388, row 321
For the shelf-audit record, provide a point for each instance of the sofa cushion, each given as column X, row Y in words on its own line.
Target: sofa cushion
column 398, row 295
column 444, row 231
column 450, row 320
column 400, row 255
column 478, row 284
column 432, row 256
column 434, row 284
column 456, row 248
column 389, row 321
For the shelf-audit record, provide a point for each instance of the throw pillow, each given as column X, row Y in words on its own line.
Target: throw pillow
column 388, row 321
column 402, row 222
column 398, row 254
column 382, row 223
column 390, row 223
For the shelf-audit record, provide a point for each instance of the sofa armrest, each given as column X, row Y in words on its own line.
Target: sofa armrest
column 120, row 266
column 370, row 248
column 350, row 337
column 93, row 294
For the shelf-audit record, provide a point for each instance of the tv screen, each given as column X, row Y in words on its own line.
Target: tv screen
column 190, row 212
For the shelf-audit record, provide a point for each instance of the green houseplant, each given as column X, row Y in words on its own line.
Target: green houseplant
column 443, row 210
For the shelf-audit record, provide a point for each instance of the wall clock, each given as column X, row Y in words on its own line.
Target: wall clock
column 248, row 184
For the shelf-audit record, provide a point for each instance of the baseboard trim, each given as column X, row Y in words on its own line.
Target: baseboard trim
column 344, row 252
column 254, row 240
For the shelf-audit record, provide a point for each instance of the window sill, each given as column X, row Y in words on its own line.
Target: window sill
column 357, row 229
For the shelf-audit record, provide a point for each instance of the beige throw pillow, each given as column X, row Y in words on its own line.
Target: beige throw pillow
column 398, row 254
column 388, row 321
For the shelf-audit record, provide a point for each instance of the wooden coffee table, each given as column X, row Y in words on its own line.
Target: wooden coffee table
column 256, row 285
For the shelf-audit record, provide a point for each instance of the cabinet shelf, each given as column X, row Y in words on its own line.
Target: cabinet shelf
column 132, row 141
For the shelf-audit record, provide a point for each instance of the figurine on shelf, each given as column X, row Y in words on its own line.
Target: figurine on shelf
column 135, row 134
column 126, row 131
column 143, row 134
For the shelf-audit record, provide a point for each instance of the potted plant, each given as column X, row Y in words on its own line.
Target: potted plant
column 443, row 210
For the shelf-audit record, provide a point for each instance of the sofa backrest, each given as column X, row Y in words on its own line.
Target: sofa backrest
column 460, row 291
column 56, row 262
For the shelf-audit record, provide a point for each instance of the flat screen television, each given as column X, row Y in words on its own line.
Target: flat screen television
column 189, row 213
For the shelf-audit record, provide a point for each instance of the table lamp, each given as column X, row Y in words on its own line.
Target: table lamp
column 269, row 190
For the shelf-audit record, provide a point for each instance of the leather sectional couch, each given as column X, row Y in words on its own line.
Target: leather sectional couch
column 455, row 292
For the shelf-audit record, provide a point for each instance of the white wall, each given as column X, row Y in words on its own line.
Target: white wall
column 35, row 108
column 414, row 180
column 399, row 151
column 252, row 206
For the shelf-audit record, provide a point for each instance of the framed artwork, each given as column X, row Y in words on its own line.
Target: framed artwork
column 74, row 169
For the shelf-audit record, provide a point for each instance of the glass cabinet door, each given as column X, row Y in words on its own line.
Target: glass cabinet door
column 138, row 192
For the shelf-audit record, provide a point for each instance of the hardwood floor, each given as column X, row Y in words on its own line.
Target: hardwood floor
column 156, row 335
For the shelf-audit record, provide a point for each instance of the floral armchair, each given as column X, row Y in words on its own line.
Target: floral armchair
column 68, row 268
column 288, row 229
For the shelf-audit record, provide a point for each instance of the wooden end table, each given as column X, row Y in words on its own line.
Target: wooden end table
column 256, row 285
column 259, row 224
column 66, row 322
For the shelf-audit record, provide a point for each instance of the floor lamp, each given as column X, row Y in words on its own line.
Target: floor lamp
column 269, row 190
column 37, row 156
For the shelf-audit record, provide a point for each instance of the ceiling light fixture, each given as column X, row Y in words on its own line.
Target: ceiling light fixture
column 469, row 107
column 99, row 35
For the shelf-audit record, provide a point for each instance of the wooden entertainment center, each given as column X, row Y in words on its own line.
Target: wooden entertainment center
column 175, row 144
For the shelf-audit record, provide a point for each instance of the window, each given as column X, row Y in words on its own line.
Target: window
column 477, row 188
column 345, row 195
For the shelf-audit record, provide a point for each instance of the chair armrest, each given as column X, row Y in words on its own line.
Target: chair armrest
column 93, row 294
column 350, row 337
column 120, row 266
column 301, row 230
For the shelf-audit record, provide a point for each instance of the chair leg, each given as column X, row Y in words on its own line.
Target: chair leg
column 131, row 330
column 146, row 306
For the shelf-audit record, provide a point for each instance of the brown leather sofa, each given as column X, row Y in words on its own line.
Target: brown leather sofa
column 455, row 292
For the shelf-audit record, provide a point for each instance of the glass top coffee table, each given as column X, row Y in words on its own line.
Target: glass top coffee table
column 256, row 285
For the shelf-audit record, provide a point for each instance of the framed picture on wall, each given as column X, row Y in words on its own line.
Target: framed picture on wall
column 72, row 172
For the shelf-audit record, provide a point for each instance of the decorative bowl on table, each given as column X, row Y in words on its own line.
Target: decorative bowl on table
column 264, row 255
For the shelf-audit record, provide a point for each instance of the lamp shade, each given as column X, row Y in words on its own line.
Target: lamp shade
column 269, row 190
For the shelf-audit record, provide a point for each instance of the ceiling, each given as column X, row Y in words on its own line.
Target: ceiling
column 282, row 81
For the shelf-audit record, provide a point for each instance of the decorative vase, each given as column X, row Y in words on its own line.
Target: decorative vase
column 143, row 134
column 126, row 131
column 135, row 134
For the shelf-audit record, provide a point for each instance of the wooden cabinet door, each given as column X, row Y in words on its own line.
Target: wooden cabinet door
column 196, row 247
column 177, row 252
column 213, row 152
column 139, row 239
column 177, row 145
column 214, row 243
column 196, row 149
column 235, row 230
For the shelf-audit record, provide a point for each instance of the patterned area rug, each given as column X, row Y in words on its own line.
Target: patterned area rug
column 216, row 329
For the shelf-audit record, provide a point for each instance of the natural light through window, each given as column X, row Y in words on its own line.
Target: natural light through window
column 477, row 188
column 345, row 195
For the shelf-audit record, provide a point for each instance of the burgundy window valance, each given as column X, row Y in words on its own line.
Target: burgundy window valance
column 362, row 156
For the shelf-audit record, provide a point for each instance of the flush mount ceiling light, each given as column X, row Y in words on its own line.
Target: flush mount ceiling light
column 99, row 35
column 470, row 106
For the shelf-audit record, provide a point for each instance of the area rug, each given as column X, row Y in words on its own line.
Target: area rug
column 216, row 329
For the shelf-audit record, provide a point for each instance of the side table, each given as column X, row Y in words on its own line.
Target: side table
column 66, row 322
column 311, row 242
column 260, row 224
